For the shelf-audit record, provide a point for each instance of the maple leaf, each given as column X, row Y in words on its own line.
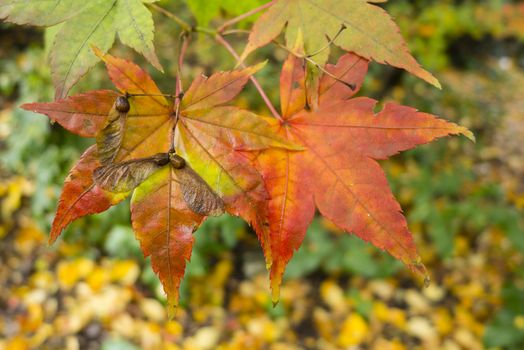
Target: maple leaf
column 368, row 31
column 338, row 173
column 42, row 13
column 165, row 235
column 82, row 24
column 83, row 114
column 211, row 137
column 80, row 195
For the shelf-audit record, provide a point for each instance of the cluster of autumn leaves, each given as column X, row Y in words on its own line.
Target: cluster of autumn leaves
column 211, row 157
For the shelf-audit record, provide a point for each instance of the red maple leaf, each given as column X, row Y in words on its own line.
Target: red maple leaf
column 338, row 172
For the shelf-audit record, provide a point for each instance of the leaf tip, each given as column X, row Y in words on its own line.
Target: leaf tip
column 469, row 134
column 418, row 268
column 172, row 305
column 430, row 78
column 461, row 130
column 172, row 309
column 54, row 234
column 262, row 64
column 155, row 62
column 27, row 106
column 275, row 291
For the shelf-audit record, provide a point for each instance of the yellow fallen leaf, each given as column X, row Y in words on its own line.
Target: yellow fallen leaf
column 125, row 272
column 174, row 328
column 153, row 310
column 17, row 343
column 324, row 323
column 421, row 328
column 41, row 335
column 150, row 336
column 205, row 338
column 381, row 311
column 28, row 237
column 354, row 331
column 69, row 272
column 443, row 321
column 98, row 278
column 33, row 319
column 43, row 280
column 264, row 329
column 333, row 296
column 384, row 344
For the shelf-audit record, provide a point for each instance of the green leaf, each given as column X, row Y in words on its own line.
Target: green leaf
column 237, row 8
column 42, row 12
column 71, row 55
column 368, row 31
column 82, row 24
column 204, row 10
column 135, row 28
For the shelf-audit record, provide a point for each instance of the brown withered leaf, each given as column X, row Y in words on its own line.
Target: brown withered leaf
column 125, row 176
column 109, row 139
column 197, row 194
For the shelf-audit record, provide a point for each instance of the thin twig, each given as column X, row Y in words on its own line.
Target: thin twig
column 185, row 26
column 183, row 42
column 330, row 41
column 220, row 39
column 235, row 31
column 244, row 16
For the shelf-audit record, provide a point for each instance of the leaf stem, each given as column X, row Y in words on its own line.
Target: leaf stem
column 185, row 26
column 244, row 16
column 235, row 31
column 220, row 39
column 330, row 41
column 183, row 43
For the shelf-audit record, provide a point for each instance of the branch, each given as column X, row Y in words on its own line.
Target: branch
column 185, row 26
column 220, row 39
column 244, row 16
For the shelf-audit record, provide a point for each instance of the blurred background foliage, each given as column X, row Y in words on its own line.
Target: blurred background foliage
column 464, row 203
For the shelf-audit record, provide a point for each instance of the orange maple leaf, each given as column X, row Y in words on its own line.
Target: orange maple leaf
column 209, row 136
column 338, row 172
